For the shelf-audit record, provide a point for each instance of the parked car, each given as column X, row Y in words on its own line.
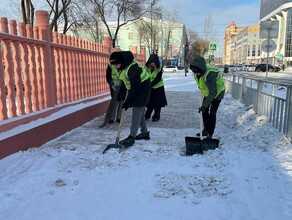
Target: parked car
column 239, row 67
column 250, row 67
column 170, row 69
column 263, row 67
column 232, row 68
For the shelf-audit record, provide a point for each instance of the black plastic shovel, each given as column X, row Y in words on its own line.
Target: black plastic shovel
column 197, row 145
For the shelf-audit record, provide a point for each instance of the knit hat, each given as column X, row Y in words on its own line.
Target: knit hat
column 116, row 58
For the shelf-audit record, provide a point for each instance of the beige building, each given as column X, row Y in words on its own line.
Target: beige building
column 230, row 31
column 243, row 45
column 246, row 46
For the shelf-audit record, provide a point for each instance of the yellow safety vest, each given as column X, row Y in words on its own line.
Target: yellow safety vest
column 201, row 82
column 124, row 74
column 115, row 75
column 153, row 75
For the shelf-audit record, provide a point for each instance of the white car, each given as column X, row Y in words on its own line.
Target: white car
column 250, row 67
column 170, row 69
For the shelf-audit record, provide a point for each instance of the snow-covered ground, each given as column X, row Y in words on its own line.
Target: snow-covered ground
column 248, row 177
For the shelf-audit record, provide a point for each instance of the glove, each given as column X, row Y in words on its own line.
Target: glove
column 202, row 109
column 114, row 87
column 125, row 106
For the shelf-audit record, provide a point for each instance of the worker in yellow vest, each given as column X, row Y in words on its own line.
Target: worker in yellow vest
column 137, row 82
column 211, row 83
column 115, row 85
column 157, row 95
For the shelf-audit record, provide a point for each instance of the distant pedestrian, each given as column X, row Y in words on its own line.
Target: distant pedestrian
column 186, row 69
column 157, row 95
column 112, row 78
column 137, row 82
column 283, row 66
column 211, row 84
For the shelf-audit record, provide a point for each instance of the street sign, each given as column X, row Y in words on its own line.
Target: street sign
column 213, row 47
column 269, row 45
column 269, row 29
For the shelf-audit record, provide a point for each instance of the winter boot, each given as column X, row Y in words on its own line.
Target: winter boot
column 209, row 136
column 143, row 136
column 155, row 119
column 204, row 133
column 128, row 142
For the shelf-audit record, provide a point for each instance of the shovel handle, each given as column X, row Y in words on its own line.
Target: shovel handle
column 201, row 117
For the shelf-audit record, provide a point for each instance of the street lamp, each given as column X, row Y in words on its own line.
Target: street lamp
column 151, row 29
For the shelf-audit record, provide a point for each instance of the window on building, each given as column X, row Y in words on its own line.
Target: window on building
column 288, row 46
column 131, row 36
column 259, row 50
column 248, row 51
column 253, row 50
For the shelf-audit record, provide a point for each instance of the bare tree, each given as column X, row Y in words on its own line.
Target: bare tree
column 209, row 31
column 150, row 33
column 122, row 11
column 172, row 18
column 197, row 45
column 27, row 11
column 58, row 9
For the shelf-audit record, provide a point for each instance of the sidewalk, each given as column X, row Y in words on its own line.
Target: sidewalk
column 180, row 113
column 70, row 178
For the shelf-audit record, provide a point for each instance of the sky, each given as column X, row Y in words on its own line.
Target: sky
column 248, row 177
column 194, row 13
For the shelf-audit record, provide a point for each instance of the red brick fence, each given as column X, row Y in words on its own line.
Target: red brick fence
column 43, row 72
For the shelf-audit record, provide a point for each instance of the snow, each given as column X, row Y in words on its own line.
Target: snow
column 248, row 177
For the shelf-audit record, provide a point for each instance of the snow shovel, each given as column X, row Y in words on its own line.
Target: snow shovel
column 195, row 145
column 111, row 108
column 116, row 144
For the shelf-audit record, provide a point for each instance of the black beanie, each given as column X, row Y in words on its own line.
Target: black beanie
column 116, row 58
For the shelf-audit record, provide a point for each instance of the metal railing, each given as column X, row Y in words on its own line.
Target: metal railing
column 260, row 93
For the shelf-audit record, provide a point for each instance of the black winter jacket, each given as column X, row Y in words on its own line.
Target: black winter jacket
column 139, row 93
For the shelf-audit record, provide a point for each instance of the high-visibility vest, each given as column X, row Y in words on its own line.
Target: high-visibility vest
column 201, row 82
column 124, row 74
column 153, row 75
column 115, row 75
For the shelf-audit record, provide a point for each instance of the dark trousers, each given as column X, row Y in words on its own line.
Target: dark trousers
column 156, row 113
column 209, row 116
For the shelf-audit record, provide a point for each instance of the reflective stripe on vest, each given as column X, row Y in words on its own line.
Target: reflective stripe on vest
column 115, row 75
column 202, row 82
column 124, row 74
column 153, row 75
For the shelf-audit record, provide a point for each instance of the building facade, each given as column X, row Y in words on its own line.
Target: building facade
column 167, row 39
column 228, row 47
column 280, row 10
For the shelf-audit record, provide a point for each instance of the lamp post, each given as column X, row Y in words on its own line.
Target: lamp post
column 151, row 29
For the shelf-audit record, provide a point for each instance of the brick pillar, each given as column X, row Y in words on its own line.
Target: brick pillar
column 42, row 21
column 108, row 43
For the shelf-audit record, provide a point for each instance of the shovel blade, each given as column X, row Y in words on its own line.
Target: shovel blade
column 112, row 146
column 209, row 144
column 195, row 145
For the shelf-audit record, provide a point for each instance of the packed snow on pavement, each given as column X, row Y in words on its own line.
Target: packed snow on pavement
column 248, row 177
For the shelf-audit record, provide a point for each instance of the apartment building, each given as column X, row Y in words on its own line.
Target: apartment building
column 228, row 47
column 246, row 46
